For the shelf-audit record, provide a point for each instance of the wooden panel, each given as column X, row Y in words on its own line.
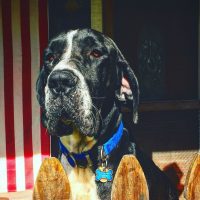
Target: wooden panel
column 108, row 17
column 65, row 15
column 165, row 130
column 167, row 106
column 96, row 15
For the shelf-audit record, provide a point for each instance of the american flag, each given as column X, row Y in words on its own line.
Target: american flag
column 23, row 141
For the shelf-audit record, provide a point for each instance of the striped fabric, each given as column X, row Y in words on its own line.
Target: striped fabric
column 23, row 141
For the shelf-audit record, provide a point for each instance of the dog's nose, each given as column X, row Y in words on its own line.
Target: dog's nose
column 61, row 81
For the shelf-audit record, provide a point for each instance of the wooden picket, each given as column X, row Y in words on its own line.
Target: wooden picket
column 129, row 182
column 192, row 183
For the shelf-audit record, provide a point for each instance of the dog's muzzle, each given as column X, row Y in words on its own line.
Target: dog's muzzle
column 68, row 98
column 61, row 82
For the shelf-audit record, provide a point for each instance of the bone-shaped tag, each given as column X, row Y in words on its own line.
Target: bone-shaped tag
column 104, row 174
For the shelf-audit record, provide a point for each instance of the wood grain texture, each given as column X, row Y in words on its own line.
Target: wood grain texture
column 192, row 183
column 52, row 182
column 173, row 105
column 129, row 182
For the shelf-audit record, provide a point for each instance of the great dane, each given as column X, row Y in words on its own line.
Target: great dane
column 83, row 83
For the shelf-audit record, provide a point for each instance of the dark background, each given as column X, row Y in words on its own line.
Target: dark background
column 160, row 41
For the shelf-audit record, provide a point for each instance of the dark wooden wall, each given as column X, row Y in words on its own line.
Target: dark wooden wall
column 172, row 27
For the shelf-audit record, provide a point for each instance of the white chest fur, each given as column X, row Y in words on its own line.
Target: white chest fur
column 82, row 182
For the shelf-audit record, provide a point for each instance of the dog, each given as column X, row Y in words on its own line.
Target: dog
column 82, row 85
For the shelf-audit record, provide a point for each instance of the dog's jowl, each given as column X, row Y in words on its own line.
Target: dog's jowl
column 83, row 83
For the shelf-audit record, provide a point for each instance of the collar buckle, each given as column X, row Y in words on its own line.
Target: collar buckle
column 82, row 163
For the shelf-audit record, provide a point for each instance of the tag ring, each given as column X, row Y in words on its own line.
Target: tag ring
column 103, row 157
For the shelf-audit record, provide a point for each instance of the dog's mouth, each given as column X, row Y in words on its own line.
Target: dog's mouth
column 64, row 127
column 64, row 124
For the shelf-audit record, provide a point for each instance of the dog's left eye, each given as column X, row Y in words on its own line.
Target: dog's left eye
column 96, row 53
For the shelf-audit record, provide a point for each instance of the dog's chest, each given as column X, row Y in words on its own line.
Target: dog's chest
column 82, row 182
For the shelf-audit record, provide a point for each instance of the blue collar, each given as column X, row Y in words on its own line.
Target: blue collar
column 83, row 159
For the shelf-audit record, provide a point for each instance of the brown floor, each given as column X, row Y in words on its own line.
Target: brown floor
column 25, row 195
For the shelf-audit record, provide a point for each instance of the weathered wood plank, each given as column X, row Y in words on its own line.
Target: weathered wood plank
column 51, row 182
column 156, row 106
column 129, row 182
column 192, row 183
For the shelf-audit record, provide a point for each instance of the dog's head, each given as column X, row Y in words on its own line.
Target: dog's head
column 83, row 71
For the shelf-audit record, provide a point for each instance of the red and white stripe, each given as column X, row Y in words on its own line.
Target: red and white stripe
column 24, row 142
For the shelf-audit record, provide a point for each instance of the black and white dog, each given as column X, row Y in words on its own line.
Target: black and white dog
column 83, row 82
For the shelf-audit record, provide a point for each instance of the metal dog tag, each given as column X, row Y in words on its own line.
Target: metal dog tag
column 103, row 173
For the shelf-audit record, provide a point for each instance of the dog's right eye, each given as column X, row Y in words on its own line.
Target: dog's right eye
column 50, row 57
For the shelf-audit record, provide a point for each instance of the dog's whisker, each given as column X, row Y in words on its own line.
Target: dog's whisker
column 98, row 112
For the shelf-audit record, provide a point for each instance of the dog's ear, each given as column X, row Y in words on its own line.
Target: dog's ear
column 40, row 89
column 127, row 91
